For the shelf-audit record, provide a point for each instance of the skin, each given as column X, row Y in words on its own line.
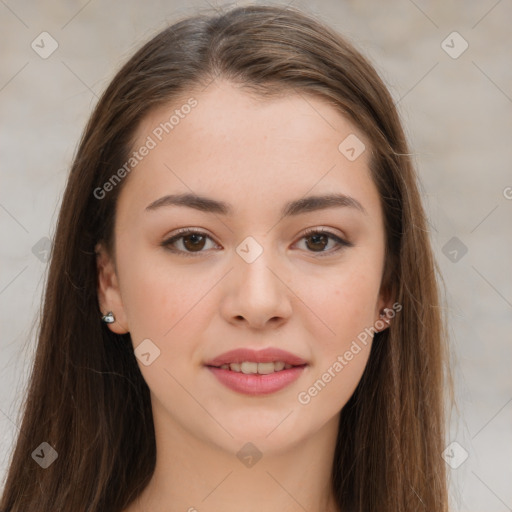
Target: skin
column 256, row 154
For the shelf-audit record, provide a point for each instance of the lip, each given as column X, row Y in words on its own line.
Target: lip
column 266, row 355
column 257, row 384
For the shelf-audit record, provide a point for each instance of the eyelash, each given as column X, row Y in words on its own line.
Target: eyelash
column 167, row 244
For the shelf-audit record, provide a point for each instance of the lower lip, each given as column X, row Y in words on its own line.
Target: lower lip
column 256, row 384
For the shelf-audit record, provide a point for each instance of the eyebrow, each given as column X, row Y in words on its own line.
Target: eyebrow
column 296, row 207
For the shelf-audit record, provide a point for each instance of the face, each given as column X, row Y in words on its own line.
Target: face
column 253, row 274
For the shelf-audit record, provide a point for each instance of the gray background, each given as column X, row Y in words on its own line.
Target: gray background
column 457, row 114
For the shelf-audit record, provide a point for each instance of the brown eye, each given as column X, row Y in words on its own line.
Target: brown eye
column 193, row 242
column 187, row 242
column 317, row 240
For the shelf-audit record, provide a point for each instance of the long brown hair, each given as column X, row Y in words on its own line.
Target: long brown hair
column 86, row 396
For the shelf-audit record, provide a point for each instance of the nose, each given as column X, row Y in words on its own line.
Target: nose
column 257, row 294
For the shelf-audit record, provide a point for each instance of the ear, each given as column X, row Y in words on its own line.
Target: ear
column 384, row 311
column 109, row 295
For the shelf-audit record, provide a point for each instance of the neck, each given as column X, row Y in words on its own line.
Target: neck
column 195, row 475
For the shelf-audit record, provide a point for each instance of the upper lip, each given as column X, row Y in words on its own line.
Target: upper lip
column 266, row 355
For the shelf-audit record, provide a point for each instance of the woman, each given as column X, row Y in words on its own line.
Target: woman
column 242, row 308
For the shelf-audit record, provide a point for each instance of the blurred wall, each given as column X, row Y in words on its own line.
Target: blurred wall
column 447, row 64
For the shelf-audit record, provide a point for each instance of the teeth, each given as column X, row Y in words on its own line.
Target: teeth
column 249, row 367
column 266, row 368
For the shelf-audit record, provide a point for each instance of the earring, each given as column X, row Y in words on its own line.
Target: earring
column 384, row 313
column 109, row 318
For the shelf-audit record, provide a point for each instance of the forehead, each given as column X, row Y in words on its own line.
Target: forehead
column 239, row 146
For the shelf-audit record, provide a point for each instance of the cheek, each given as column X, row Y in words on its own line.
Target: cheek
column 343, row 337
column 344, row 307
column 170, row 308
column 347, row 308
column 161, row 299
column 341, row 353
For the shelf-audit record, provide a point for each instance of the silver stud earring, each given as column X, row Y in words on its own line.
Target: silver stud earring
column 384, row 313
column 109, row 318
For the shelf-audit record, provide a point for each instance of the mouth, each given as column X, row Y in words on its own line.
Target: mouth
column 264, row 361
column 254, row 368
column 257, row 372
